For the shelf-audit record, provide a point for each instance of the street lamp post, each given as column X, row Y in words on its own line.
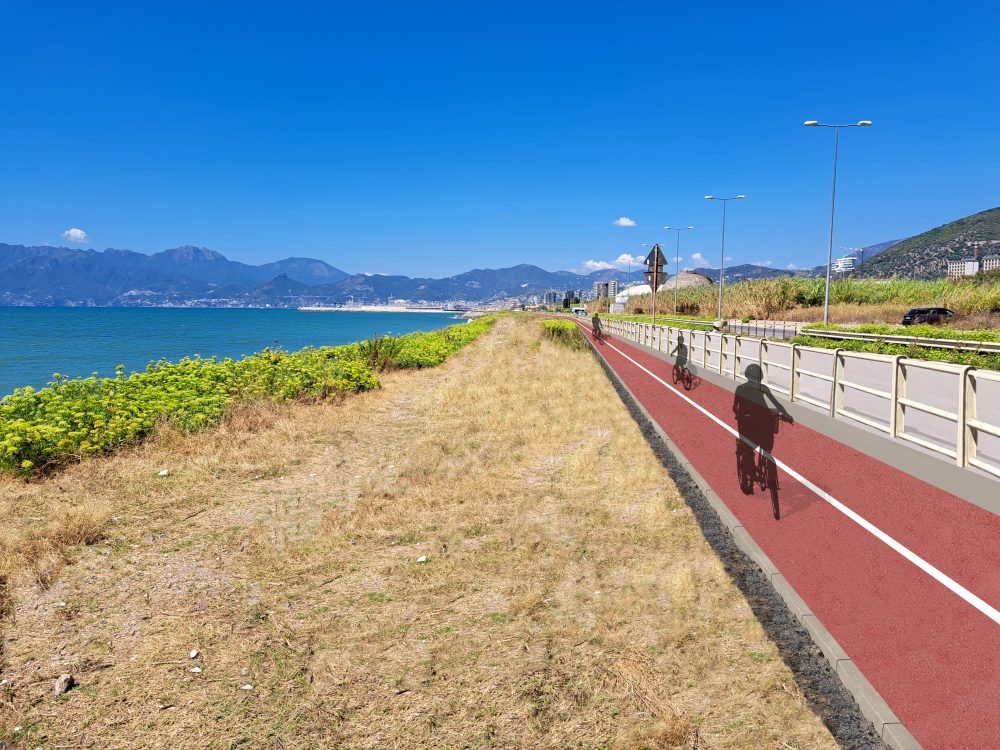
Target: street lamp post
column 722, row 261
column 833, row 199
column 677, row 259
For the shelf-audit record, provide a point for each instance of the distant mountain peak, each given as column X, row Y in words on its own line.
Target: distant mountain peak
column 192, row 253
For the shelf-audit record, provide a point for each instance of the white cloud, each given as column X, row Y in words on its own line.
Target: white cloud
column 624, row 259
column 765, row 263
column 700, row 260
column 624, row 221
column 621, row 262
column 76, row 235
column 793, row 267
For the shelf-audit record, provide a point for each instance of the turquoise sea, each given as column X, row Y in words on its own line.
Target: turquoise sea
column 38, row 341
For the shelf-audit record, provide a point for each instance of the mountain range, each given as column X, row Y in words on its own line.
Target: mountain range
column 193, row 276
column 198, row 277
column 749, row 272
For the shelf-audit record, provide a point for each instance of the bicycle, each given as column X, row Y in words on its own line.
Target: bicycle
column 757, row 466
column 681, row 374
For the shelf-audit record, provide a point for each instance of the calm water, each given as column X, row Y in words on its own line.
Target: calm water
column 37, row 342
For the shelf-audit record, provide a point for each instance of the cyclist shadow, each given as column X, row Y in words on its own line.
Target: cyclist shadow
column 597, row 329
column 758, row 424
column 683, row 373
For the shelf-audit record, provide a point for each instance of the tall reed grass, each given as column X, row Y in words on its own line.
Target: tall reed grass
column 768, row 298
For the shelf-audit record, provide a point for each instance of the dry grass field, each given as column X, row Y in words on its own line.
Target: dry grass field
column 567, row 599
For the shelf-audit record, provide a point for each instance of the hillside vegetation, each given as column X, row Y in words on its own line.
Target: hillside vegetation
column 925, row 256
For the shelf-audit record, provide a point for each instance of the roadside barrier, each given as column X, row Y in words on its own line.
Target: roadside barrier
column 950, row 409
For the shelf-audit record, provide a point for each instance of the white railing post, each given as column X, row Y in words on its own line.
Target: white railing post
column 896, row 415
column 961, row 457
column 761, row 361
column 970, row 413
column 793, row 382
column 835, row 394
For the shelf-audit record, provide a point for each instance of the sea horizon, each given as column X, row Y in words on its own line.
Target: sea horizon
column 80, row 341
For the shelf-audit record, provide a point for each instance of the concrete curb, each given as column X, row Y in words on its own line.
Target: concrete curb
column 872, row 705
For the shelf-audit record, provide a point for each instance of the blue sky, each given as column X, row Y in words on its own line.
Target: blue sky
column 429, row 138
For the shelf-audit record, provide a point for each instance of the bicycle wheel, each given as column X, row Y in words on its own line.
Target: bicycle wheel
column 688, row 379
column 771, row 472
column 745, row 468
column 676, row 373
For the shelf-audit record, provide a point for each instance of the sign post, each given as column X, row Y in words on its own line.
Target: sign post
column 654, row 276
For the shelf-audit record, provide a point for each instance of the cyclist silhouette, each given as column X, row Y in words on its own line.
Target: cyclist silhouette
column 595, row 323
column 757, row 423
column 681, row 350
column 681, row 372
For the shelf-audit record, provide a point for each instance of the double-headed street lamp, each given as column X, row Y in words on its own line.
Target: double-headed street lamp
column 722, row 261
column 677, row 259
column 833, row 199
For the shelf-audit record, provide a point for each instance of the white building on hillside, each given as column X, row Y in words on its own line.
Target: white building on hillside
column 844, row 265
column 965, row 267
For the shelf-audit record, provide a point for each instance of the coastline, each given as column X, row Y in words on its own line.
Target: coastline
column 379, row 308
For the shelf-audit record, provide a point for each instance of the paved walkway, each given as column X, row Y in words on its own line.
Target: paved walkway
column 904, row 575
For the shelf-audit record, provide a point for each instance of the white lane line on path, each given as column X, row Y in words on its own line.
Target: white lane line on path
column 951, row 584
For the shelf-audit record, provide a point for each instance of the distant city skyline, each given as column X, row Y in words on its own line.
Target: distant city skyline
column 430, row 140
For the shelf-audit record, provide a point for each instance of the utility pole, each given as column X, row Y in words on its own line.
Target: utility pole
column 833, row 199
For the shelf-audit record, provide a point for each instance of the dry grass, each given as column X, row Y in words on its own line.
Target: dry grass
column 849, row 314
column 569, row 599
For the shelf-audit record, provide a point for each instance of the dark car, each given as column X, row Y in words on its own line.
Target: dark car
column 933, row 316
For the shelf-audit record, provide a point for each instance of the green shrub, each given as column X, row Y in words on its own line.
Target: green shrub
column 380, row 353
column 982, row 360
column 73, row 418
column 564, row 332
column 922, row 331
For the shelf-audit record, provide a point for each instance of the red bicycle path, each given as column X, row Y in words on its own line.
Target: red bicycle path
column 931, row 655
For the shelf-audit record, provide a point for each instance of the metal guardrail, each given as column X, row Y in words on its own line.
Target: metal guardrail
column 775, row 329
column 950, row 409
column 955, row 344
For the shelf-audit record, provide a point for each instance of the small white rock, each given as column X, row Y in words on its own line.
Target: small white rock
column 196, row 670
column 63, row 685
column 193, row 654
column 248, row 686
column 423, row 559
column 17, row 729
column 245, row 671
column 164, row 473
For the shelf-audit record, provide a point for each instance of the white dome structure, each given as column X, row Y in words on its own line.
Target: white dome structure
column 633, row 291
